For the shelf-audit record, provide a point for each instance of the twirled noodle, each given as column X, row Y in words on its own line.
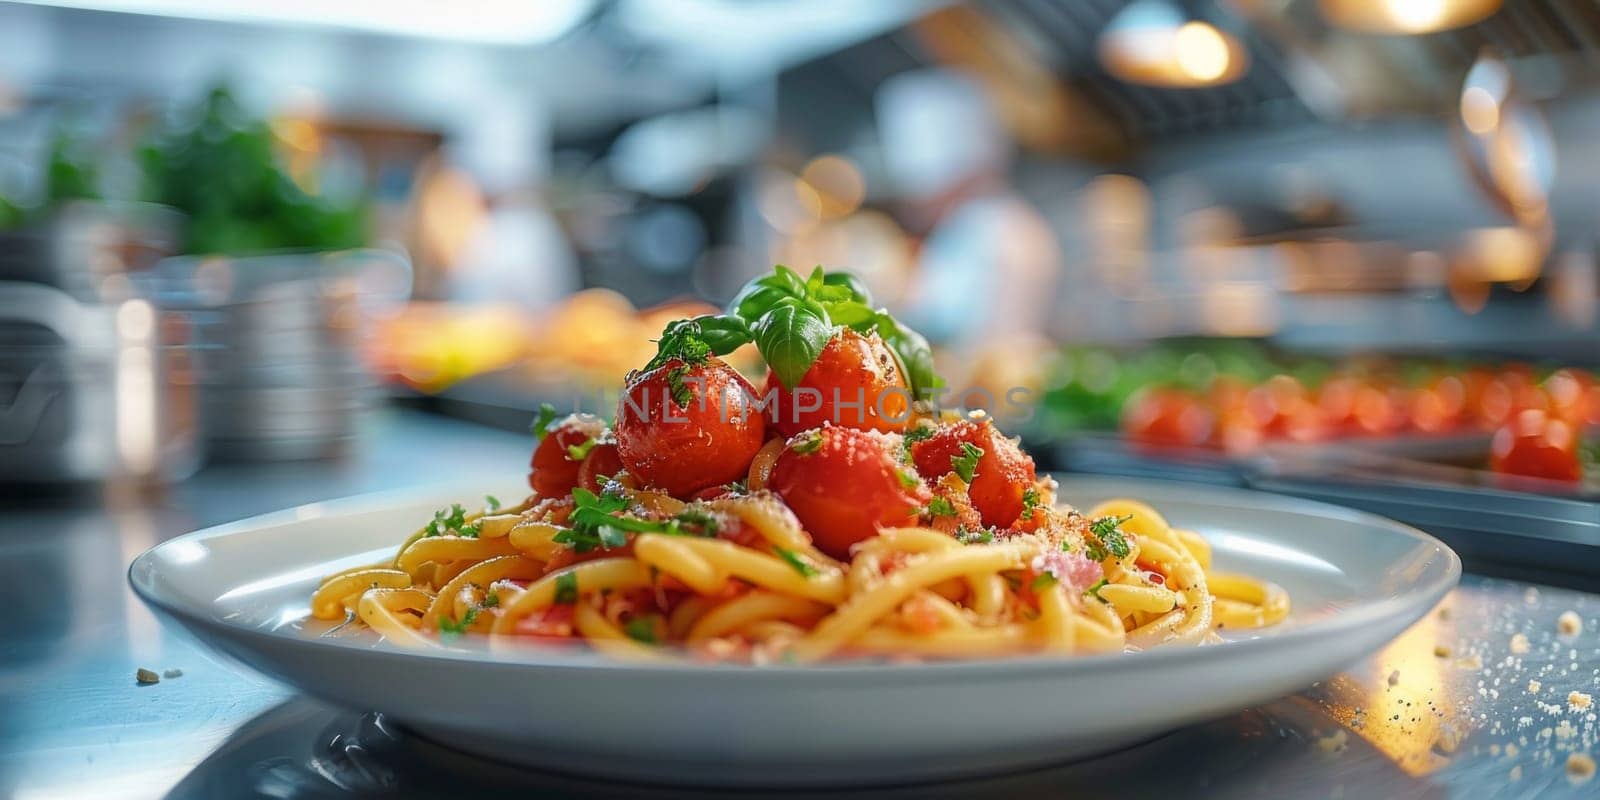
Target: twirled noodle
column 768, row 594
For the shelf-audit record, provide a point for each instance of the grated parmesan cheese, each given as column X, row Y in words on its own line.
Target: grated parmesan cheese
column 1519, row 644
column 1579, row 701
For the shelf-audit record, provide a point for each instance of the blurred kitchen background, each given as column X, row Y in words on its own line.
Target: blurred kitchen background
column 1337, row 248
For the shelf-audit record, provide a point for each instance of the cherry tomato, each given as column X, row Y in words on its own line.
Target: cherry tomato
column 1378, row 408
column 1512, row 390
column 1439, row 405
column 1237, row 431
column 554, row 470
column 1000, row 476
column 1337, row 399
column 603, row 461
column 1167, row 417
column 856, row 382
column 1283, row 408
column 682, row 428
column 844, row 484
column 1568, row 391
column 1536, row 444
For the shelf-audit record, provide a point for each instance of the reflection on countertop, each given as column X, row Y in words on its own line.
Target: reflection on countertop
column 1484, row 697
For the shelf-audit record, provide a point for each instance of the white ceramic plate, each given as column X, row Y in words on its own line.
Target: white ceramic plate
column 1356, row 581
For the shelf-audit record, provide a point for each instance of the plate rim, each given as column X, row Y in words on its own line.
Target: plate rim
column 1008, row 667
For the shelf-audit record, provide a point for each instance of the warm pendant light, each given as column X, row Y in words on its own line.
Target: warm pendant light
column 1151, row 43
column 1405, row 16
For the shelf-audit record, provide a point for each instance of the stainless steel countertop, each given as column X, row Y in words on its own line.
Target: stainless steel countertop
column 1445, row 710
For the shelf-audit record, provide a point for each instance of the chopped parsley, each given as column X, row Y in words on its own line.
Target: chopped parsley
column 642, row 629
column 807, row 443
column 492, row 502
column 966, row 463
column 941, row 507
column 1094, row 591
column 1107, row 539
column 567, row 589
column 451, row 627
column 967, row 535
column 793, row 560
column 1044, row 581
column 541, row 425
column 1030, row 501
column 451, row 521
column 576, row 452
column 595, row 524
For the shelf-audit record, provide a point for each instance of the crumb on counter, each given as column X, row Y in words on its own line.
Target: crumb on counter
column 1579, row 700
column 1444, row 612
column 1534, row 686
column 1333, row 742
column 1580, row 767
column 1569, row 623
column 172, row 673
column 1394, row 677
column 145, row 677
column 1516, row 773
column 1519, row 644
column 1441, row 651
column 1470, row 661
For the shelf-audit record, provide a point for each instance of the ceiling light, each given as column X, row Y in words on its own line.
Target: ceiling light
column 1405, row 16
column 1151, row 43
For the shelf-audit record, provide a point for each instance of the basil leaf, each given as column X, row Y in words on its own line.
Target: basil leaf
column 788, row 280
column 814, row 282
column 853, row 314
column 844, row 280
column 755, row 299
column 915, row 355
column 723, row 333
column 790, row 337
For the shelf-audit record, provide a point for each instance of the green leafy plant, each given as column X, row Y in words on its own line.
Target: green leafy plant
column 219, row 167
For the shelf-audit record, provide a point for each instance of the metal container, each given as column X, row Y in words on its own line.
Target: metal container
column 281, row 336
column 93, row 392
column 86, row 248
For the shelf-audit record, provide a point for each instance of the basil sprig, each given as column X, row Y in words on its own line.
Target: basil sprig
column 791, row 319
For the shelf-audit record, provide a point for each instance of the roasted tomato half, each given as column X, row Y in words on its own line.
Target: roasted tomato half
column 845, row 484
column 684, row 427
column 561, row 454
column 856, row 382
column 1000, row 473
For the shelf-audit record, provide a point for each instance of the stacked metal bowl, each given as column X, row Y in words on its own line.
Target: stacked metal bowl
column 280, row 345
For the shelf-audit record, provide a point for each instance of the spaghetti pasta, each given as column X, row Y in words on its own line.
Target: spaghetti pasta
column 907, row 592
